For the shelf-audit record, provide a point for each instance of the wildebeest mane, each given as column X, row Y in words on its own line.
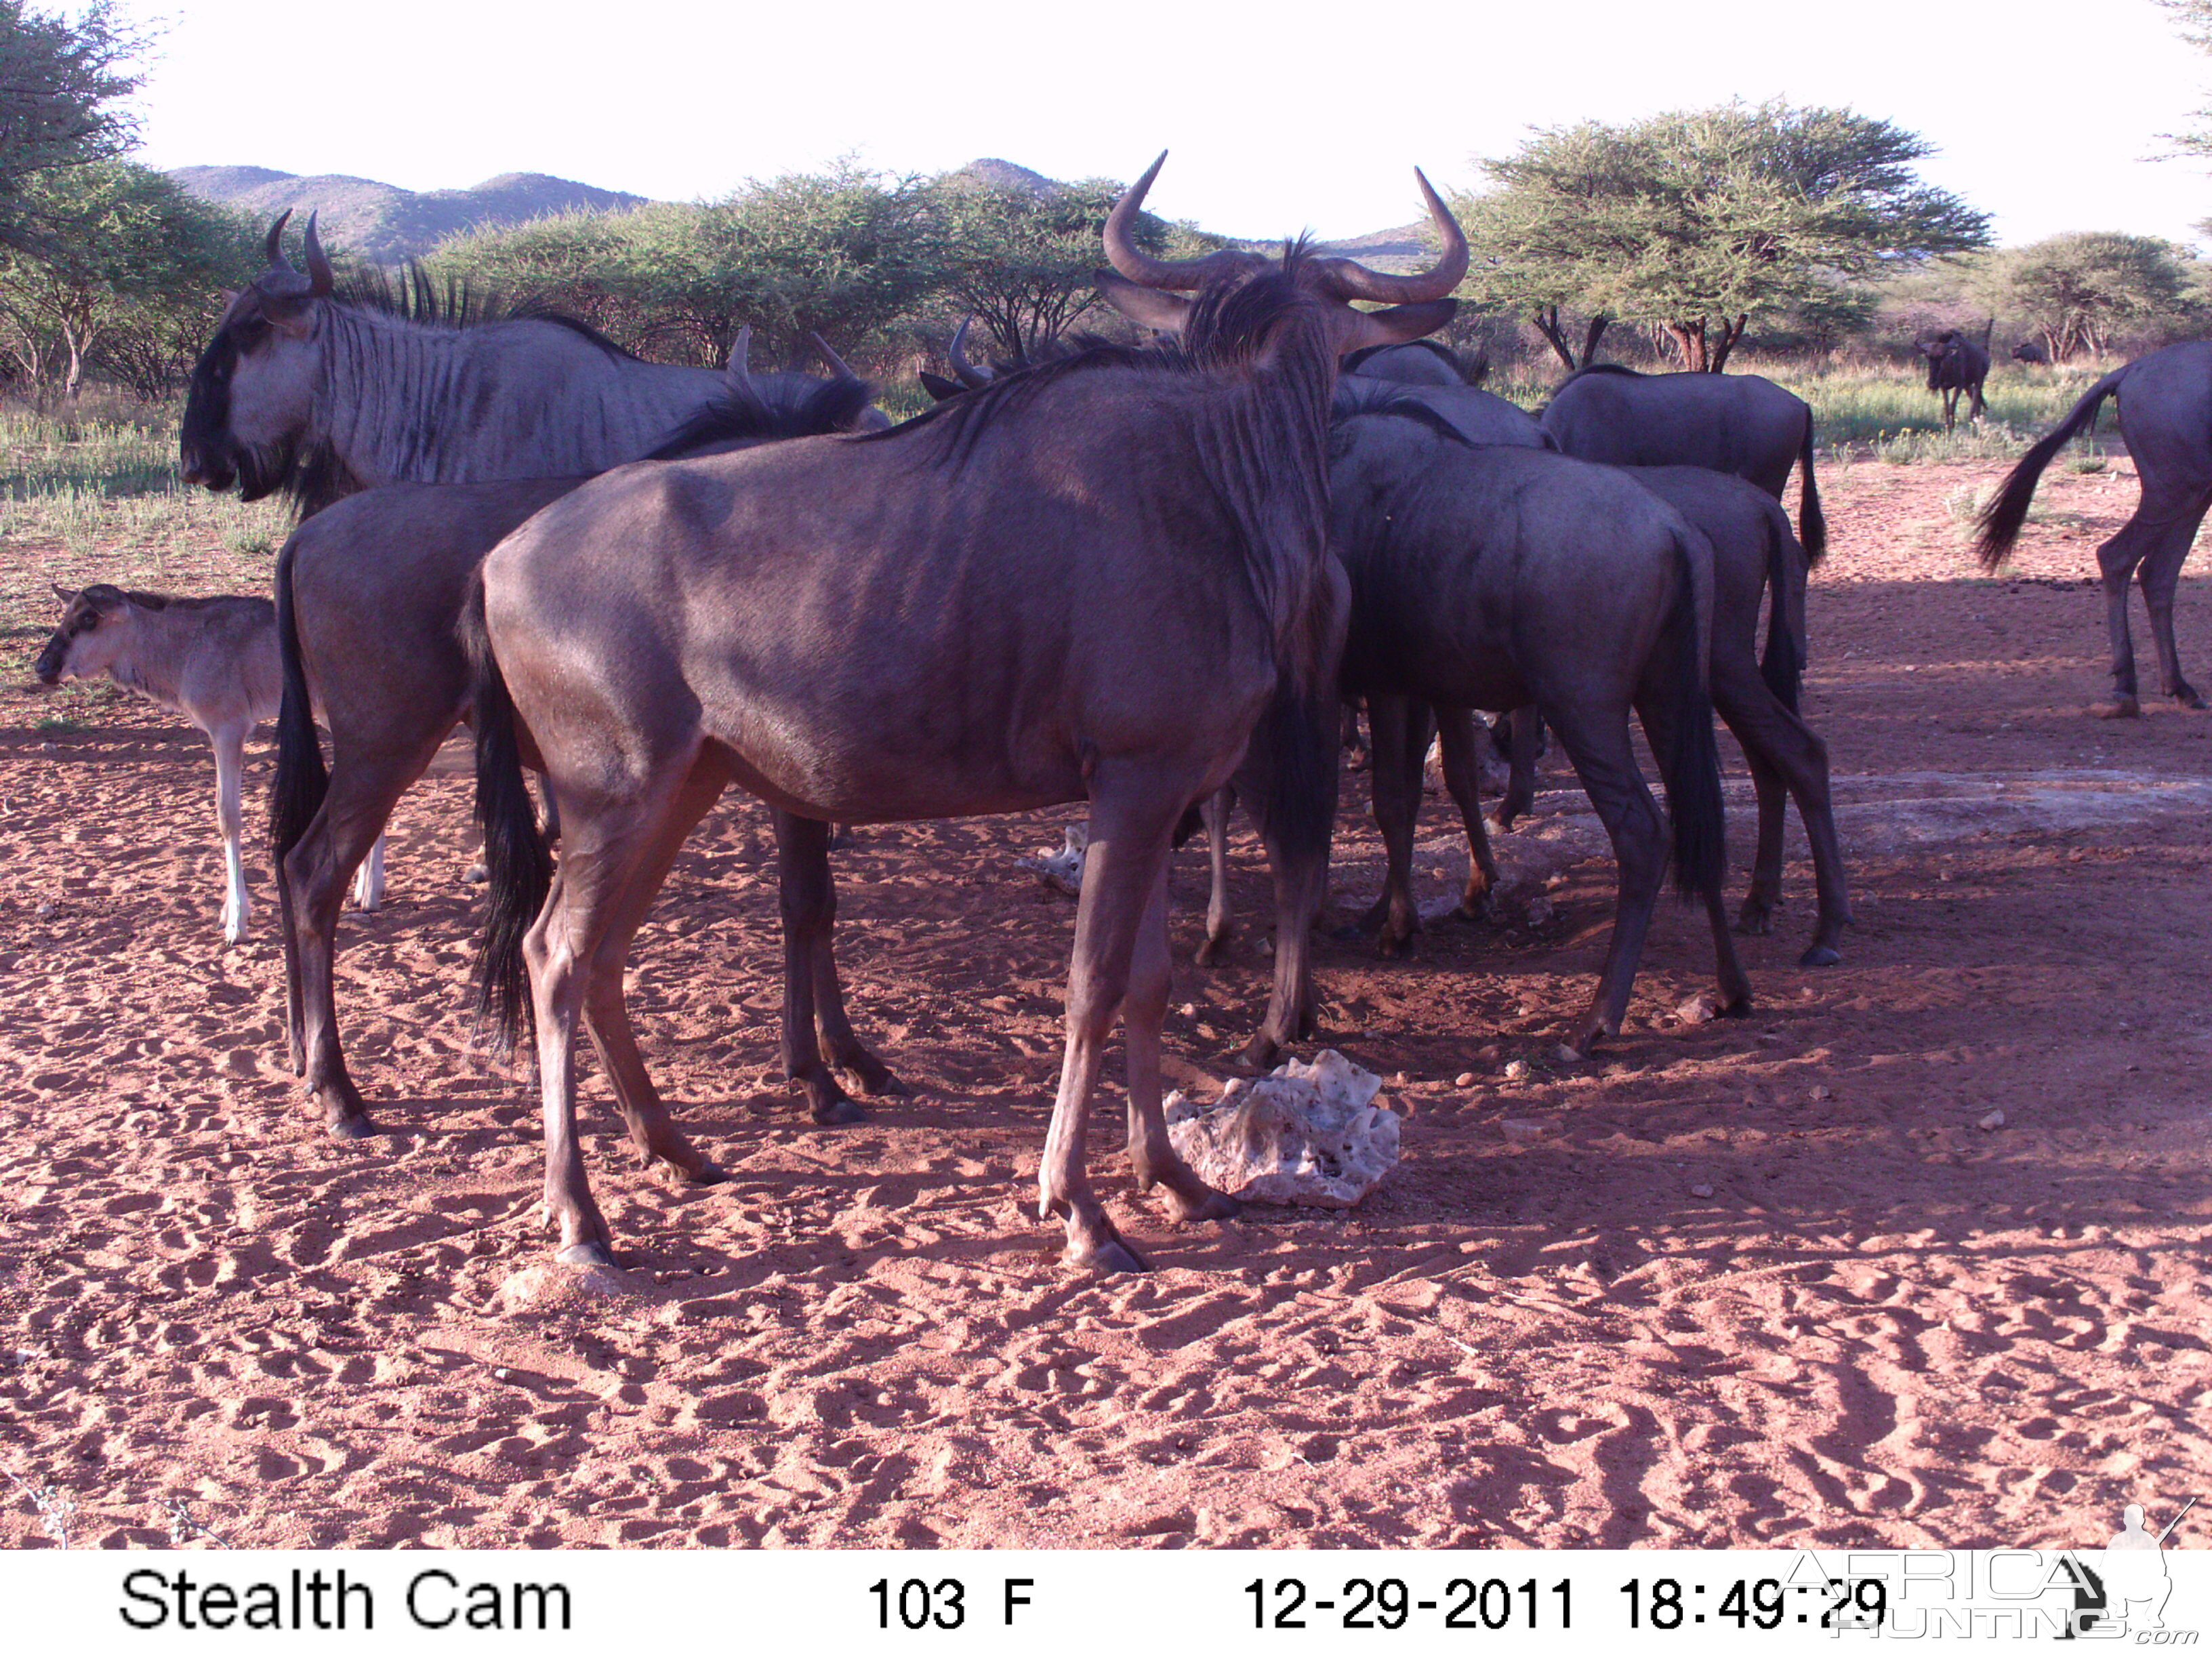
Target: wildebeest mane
column 1385, row 397
column 106, row 596
column 1601, row 369
column 747, row 411
column 410, row 293
column 1436, row 348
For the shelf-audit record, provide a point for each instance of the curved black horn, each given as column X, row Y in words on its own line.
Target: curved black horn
column 275, row 246
column 1354, row 281
column 1123, row 254
column 322, row 279
column 970, row 376
column 837, row 365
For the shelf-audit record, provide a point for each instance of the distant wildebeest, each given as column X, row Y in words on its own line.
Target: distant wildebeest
column 2164, row 402
column 317, row 393
column 2030, row 351
column 213, row 661
column 369, row 594
column 1739, row 423
column 1498, row 577
column 1093, row 578
column 1418, row 362
column 1956, row 366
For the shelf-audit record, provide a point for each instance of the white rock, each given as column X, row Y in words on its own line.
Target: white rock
column 1566, row 1055
column 1303, row 1134
column 477, row 876
column 1464, row 1080
column 1994, row 1121
column 1062, row 870
column 1700, row 1010
column 553, row 1286
column 1517, row 1071
column 1521, row 1128
column 1701, row 1191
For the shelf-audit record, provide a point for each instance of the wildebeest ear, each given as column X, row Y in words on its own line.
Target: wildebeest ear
column 1152, row 307
column 940, row 388
column 1395, row 324
column 66, row 595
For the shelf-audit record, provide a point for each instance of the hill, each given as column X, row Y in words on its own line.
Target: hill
column 387, row 224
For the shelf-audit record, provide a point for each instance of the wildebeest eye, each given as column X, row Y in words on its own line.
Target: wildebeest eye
column 250, row 331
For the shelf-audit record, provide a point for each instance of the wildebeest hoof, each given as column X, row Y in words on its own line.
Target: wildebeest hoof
column 350, row 1126
column 1211, row 951
column 1261, row 1052
column 879, row 1082
column 2187, row 697
column 588, row 1253
column 1754, row 923
column 1106, row 1255
column 1820, row 955
column 2120, row 709
column 831, row 1113
column 1398, row 948
column 1737, row 1008
column 701, row 1172
column 1206, row 1204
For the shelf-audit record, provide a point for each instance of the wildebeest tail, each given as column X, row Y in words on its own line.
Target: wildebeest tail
column 2002, row 518
column 1812, row 524
column 518, row 870
column 302, row 781
column 1300, row 731
column 1693, row 769
column 1783, row 666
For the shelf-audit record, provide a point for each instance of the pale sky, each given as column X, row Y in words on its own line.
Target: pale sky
column 1278, row 117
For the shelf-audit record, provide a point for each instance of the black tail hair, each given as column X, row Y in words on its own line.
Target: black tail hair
column 1812, row 524
column 1783, row 667
column 301, row 781
column 519, row 870
column 2002, row 518
column 1301, row 729
column 1693, row 770
column 746, row 413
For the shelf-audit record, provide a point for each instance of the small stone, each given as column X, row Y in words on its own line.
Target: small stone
column 1993, row 1120
column 477, row 875
column 1400, row 1080
column 1701, row 1191
column 1566, row 1055
column 1517, row 1071
column 1464, row 1080
column 1700, row 1010
column 1822, row 1091
column 43, row 911
column 1540, row 912
column 500, row 1372
column 45, row 749
column 1520, row 1128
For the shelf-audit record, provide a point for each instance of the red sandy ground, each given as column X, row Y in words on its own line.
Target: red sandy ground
column 1886, row 1324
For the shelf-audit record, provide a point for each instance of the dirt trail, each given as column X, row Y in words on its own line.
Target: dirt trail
column 1759, row 1282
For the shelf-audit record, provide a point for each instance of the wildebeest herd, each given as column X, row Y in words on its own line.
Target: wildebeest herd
column 1146, row 577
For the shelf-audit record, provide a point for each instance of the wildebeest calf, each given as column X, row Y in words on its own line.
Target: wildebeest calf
column 213, row 661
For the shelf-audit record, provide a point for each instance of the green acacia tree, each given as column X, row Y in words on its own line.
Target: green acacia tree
column 1703, row 222
column 2077, row 291
column 129, row 272
column 63, row 82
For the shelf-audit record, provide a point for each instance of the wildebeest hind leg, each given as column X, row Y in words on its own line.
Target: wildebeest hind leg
column 2170, row 538
column 1462, row 747
column 1757, row 916
column 1400, row 729
column 619, row 905
column 813, row 1001
column 1144, row 1007
column 2116, row 561
column 1596, row 745
column 229, row 780
column 1131, row 817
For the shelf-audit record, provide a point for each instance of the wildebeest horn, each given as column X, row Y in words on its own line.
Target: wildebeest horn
column 1123, row 253
column 1354, row 281
column 738, row 368
column 837, row 365
column 322, row 279
column 970, row 376
column 275, row 246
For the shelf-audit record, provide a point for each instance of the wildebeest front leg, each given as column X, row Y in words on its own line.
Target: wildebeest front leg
column 1144, row 1007
column 1462, row 743
column 229, row 780
column 1596, row 745
column 368, row 881
column 2117, row 560
column 1524, row 728
column 1132, row 818
column 1756, row 916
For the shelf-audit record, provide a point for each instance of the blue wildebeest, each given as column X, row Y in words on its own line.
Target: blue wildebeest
column 368, row 595
column 319, row 393
column 214, row 661
column 2164, row 402
column 2030, row 351
column 1093, row 578
column 1956, row 367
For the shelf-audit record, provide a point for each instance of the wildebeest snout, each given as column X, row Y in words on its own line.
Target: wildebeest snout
column 48, row 668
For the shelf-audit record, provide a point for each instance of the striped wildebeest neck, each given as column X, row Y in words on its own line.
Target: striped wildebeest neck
column 316, row 393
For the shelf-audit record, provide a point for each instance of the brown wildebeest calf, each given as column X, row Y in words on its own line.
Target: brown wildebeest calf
column 1092, row 579
column 213, row 661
